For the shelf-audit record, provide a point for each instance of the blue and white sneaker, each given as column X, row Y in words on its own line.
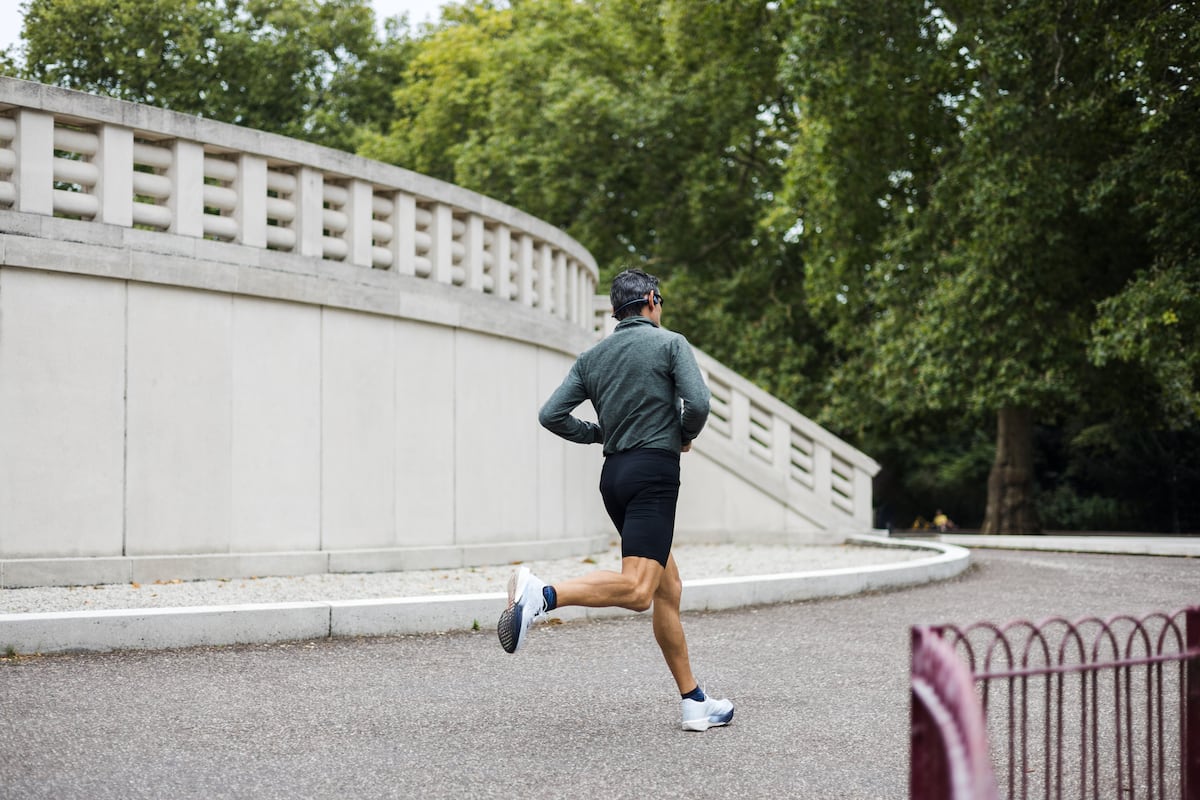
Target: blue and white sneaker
column 525, row 605
column 700, row 715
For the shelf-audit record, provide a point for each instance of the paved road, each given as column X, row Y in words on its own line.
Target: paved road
column 586, row 710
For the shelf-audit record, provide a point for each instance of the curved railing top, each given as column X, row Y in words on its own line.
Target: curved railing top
column 778, row 448
column 70, row 154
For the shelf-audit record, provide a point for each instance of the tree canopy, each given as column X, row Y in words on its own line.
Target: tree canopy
column 962, row 234
column 314, row 69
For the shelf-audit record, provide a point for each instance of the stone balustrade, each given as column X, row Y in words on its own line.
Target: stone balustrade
column 69, row 155
column 228, row 353
column 823, row 482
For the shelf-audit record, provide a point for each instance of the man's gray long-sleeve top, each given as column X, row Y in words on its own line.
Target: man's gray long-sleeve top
column 635, row 379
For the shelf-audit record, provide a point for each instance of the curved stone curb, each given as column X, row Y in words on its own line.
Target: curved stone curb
column 160, row 628
column 712, row 594
column 1180, row 546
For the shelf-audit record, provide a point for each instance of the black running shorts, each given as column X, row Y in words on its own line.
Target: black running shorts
column 640, row 489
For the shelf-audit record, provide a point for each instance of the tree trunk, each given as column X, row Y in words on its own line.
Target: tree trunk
column 1010, row 484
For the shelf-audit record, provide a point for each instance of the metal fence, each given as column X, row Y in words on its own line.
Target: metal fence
column 1090, row 708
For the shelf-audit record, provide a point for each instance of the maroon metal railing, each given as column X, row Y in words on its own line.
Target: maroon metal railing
column 1091, row 708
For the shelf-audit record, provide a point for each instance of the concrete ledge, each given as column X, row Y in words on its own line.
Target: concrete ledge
column 434, row 614
column 19, row 573
column 1188, row 546
column 454, row 556
column 162, row 628
column 719, row 593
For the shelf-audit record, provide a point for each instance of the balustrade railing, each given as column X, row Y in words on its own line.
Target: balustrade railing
column 780, row 449
column 67, row 154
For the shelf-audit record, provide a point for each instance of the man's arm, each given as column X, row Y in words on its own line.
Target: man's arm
column 692, row 390
column 555, row 415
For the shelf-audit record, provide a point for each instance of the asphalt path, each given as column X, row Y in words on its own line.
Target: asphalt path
column 584, row 710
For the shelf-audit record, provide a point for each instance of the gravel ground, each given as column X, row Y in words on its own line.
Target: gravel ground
column 695, row 561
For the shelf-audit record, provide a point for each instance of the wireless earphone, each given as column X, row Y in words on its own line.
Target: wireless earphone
column 657, row 301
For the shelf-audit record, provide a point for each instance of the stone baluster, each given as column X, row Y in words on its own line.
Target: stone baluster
column 251, row 209
column 545, row 277
column 525, row 269
column 501, row 262
column 822, row 473
column 781, row 447
column 34, row 173
column 559, row 309
column 739, row 420
column 573, row 282
column 309, row 224
column 404, row 233
column 473, row 260
column 114, row 190
column 186, row 202
column 863, row 488
column 442, row 231
column 359, row 209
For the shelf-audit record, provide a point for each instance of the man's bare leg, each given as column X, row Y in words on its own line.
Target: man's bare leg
column 634, row 587
column 639, row 579
column 668, row 627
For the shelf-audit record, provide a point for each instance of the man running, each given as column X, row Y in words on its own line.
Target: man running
column 635, row 378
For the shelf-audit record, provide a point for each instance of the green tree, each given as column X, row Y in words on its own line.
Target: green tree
column 305, row 68
column 1154, row 322
column 961, row 259
column 654, row 131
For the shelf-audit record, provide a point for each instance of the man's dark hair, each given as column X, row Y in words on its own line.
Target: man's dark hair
column 629, row 287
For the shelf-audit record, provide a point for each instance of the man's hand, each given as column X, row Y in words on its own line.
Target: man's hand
column 687, row 448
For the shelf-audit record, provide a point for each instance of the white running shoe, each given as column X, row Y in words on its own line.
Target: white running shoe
column 700, row 715
column 525, row 605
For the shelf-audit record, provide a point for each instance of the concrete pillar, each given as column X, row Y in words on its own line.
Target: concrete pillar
column 545, row 277
column 186, row 202
column 442, row 231
column 310, row 212
column 574, row 282
column 781, row 445
column 34, row 174
column 525, row 269
column 404, row 233
column 502, row 262
column 474, row 252
column 863, row 512
column 560, row 285
column 251, row 209
column 114, row 160
column 739, row 421
column 359, row 211
column 822, row 472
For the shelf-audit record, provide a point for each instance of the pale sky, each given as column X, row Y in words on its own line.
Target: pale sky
column 418, row 11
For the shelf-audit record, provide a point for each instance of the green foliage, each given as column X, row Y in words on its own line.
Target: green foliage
column 1104, row 475
column 631, row 123
column 979, row 238
column 1063, row 509
column 898, row 217
column 304, row 68
column 1154, row 321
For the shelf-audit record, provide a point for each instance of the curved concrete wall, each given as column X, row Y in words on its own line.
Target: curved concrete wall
column 184, row 403
column 225, row 353
column 143, row 420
